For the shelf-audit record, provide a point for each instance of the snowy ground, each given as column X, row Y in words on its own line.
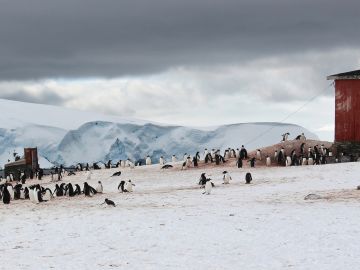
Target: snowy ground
column 168, row 224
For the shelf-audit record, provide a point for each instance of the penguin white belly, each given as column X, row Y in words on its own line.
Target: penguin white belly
column 268, row 161
column 310, row 161
column 47, row 196
column 173, row 159
column 22, row 194
column 304, row 161
column 11, row 191
column 129, row 187
column 31, row 195
column 99, row 188
column 36, row 198
column 226, row 179
column 208, row 187
column 288, row 161
column 148, row 161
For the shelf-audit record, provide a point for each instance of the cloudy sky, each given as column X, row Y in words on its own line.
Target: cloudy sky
column 190, row 62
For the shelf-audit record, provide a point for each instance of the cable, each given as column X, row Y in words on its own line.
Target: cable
column 291, row 114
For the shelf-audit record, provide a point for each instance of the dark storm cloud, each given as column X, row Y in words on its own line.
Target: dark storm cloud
column 111, row 38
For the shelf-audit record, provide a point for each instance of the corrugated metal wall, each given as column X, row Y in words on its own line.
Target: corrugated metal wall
column 347, row 110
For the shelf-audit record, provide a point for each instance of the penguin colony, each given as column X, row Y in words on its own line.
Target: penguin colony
column 36, row 193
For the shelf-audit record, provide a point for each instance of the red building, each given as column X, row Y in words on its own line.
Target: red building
column 347, row 110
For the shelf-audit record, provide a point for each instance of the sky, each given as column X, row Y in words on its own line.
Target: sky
column 194, row 63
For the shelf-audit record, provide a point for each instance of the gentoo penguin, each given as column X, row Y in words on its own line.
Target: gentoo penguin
column 310, row 161
column 99, row 188
column 77, row 189
column 239, row 163
column 88, row 190
column 47, row 195
column 109, row 202
column 226, row 177
column 129, row 186
column 288, row 161
column 252, row 162
column 258, row 154
column 226, row 154
column 37, row 195
column 69, row 190
column 206, row 152
column 208, row 187
column 167, row 166
column 173, row 158
column 116, row 174
column 122, row 163
column 243, row 153
column 185, row 157
column 11, row 191
column 6, row 195
column 121, row 186
column 248, row 178
column 148, row 160
column 268, row 161
column 26, row 193
column 304, row 161
column 161, row 161
column 195, row 161
column 17, row 189
column 23, row 193
column 202, row 180
column 58, row 191
column 212, row 153
column 275, row 155
column 285, row 136
column 232, row 153
column 188, row 162
column 237, row 153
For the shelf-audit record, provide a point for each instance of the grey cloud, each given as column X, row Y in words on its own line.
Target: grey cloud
column 74, row 38
column 46, row 97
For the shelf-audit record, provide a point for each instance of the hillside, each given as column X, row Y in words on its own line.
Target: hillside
column 66, row 136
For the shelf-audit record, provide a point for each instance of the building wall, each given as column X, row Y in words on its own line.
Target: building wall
column 347, row 110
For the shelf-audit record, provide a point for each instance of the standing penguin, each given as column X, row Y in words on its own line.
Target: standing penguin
column 268, row 161
column 248, row 178
column 288, row 161
column 226, row 177
column 47, row 195
column 310, row 161
column 304, row 161
column 121, row 186
column 252, row 162
column 239, row 163
column 99, row 188
column 148, row 160
column 161, row 161
column 173, row 158
column 208, row 187
column 6, row 195
column 129, row 186
column 258, row 154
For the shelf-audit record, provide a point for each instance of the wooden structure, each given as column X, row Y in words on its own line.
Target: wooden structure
column 347, row 111
column 27, row 164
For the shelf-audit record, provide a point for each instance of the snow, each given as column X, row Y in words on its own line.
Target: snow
column 166, row 223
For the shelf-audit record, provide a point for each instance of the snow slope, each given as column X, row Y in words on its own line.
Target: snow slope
column 166, row 223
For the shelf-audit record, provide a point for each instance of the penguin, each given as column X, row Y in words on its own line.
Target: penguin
column 131, row 164
column 195, row 161
column 258, row 154
column 208, row 187
column 268, row 161
column 77, row 189
column 59, row 192
column 202, row 180
column 226, row 177
column 161, row 161
column 116, row 174
column 212, row 153
column 304, row 161
column 226, row 154
column 173, row 158
column 252, row 162
column 122, row 163
column 109, row 202
column 69, row 190
column 237, row 153
column 188, row 162
column 87, row 190
column 31, row 194
column 285, row 136
column 17, row 190
column 185, row 156
column 232, row 153
column 239, row 163
column 6, row 195
column 23, row 194
column 288, row 161
column 310, row 161
column 129, row 186
column 206, row 152
column 10, row 188
column 248, row 178
column 36, row 195
column 47, row 195
column 243, row 153
column 26, row 193
column 99, row 188
column 167, row 166
column 121, row 186
column 127, row 163
column 148, row 160
column 275, row 155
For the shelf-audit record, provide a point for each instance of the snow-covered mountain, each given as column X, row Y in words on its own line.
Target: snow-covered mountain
column 69, row 136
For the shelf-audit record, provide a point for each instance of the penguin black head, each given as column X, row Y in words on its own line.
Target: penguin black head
column 224, row 172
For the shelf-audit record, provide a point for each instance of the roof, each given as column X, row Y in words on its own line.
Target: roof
column 351, row 75
column 16, row 163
